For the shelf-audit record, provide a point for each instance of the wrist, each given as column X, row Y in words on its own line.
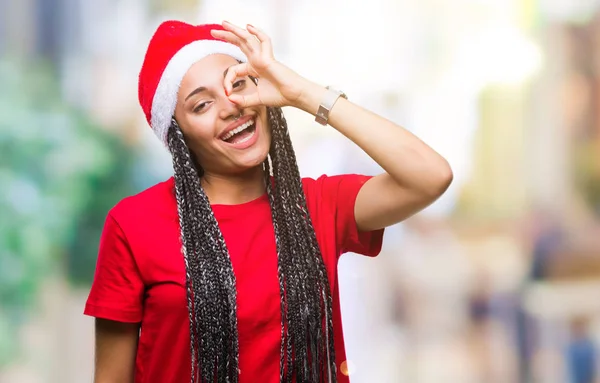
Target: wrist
column 310, row 97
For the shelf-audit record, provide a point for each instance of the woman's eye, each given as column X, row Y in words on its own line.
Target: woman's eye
column 200, row 106
column 239, row 84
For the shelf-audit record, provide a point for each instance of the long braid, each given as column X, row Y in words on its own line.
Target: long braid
column 209, row 274
column 307, row 346
column 310, row 267
column 292, row 262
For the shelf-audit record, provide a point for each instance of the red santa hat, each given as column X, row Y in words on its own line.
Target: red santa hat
column 173, row 49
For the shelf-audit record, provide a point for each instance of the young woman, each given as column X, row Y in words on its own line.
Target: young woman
column 227, row 272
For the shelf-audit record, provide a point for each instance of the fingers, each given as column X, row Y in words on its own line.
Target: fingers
column 234, row 72
column 247, row 47
column 245, row 40
column 262, row 37
column 245, row 101
column 249, row 40
column 227, row 36
column 241, row 33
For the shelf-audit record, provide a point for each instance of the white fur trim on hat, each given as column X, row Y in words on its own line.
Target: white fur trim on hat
column 165, row 97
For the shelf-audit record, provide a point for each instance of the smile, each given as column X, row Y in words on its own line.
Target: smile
column 240, row 134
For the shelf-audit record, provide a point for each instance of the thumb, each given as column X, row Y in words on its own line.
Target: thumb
column 245, row 101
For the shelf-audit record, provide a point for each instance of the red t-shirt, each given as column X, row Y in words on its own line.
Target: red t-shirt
column 140, row 274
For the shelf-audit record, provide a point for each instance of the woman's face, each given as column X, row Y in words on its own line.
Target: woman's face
column 225, row 138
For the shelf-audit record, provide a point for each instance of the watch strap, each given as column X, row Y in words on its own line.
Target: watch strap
column 329, row 100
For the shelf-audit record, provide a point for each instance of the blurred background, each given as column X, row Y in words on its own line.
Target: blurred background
column 498, row 281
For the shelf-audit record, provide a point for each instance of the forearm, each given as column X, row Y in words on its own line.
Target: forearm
column 407, row 159
column 115, row 351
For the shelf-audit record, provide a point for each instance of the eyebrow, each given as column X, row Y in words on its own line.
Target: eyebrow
column 201, row 89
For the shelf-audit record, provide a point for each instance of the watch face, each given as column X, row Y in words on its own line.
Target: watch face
column 321, row 120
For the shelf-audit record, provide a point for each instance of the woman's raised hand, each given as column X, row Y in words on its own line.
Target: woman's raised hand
column 278, row 85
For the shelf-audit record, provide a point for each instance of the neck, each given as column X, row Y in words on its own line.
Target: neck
column 234, row 189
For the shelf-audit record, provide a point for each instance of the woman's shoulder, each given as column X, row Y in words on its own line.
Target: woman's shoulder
column 323, row 188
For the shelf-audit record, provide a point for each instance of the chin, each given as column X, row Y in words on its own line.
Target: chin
column 251, row 160
column 250, row 150
column 256, row 154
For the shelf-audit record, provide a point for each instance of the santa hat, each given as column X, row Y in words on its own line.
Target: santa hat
column 173, row 49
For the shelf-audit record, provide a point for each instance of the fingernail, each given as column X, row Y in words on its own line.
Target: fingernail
column 251, row 26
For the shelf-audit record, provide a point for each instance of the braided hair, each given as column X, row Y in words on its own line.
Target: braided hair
column 307, row 347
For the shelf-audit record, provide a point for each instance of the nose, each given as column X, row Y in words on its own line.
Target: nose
column 228, row 109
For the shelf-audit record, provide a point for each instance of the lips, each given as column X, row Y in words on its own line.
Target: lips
column 234, row 126
column 231, row 133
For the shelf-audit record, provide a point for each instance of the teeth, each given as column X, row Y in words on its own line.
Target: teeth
column 235, row 131
column 245, row 139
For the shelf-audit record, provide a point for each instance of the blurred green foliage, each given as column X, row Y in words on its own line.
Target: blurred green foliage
column 59, row 175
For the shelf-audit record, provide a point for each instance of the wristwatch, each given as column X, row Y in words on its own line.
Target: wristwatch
column 329, row 100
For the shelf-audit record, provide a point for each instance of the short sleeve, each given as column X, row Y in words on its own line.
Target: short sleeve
column 117, row 290
column 342, row 191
